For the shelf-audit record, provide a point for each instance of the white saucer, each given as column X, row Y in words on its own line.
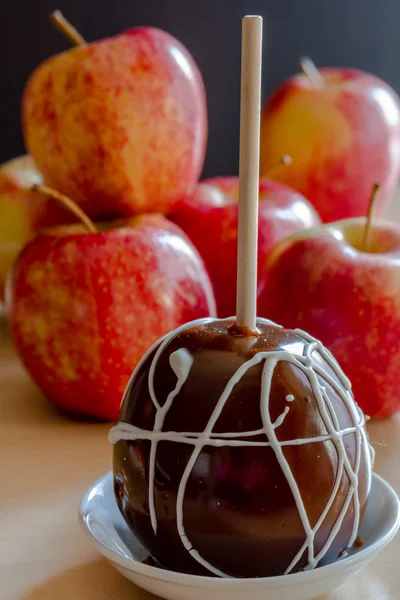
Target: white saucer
column 105, row 528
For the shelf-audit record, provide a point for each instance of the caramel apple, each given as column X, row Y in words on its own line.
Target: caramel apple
column 238, row 455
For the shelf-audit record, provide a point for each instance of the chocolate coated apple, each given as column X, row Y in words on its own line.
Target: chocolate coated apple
column 239, row 455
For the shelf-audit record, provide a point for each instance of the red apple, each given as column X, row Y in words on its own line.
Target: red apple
column 22, row 212
column 210, row 219
column 321, row 281
column 343, row 135
column 119, row 125
column 83, row 307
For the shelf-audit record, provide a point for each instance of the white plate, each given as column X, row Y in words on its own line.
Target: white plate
column 106, row 529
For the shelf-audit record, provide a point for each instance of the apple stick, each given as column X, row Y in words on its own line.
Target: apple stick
column 308, row 68
column 368, row 225
column 63, row 25
column 249, row 159
column 68, row 203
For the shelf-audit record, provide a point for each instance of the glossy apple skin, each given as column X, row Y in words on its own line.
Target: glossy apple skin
column 318, row 281
column 210, row 219
column 83, row 308
column 343, row 138
column 119, row 125
column 22, row 212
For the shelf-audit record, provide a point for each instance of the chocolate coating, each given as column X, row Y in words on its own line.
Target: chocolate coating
column 239, row 511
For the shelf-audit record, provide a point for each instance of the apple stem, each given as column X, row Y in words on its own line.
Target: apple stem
column 68, row 203
column 63, row 25
column 308, row 68
column 285, row 161
column 368, row 225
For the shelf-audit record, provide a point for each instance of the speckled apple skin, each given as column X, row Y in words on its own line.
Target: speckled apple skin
column 210, row 219
column 22, row 212
column 83, row 308
column 347, row 298
column 343, row 138
column 119, row 125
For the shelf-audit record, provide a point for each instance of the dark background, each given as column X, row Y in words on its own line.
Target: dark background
column 357, row 33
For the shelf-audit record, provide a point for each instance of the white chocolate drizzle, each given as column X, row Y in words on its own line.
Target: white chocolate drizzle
column 181, row 362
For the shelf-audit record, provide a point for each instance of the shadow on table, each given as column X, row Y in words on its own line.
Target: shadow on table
column 96, row 579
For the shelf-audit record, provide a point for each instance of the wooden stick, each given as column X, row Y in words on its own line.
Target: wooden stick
column 249, row 159
column 67, row 203
column 63, row 25
column 308, row 68
column 368, row 225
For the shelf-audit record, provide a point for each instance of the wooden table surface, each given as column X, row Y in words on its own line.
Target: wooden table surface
column 47, row 461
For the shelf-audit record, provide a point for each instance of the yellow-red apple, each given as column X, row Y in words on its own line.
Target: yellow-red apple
column 119, row 125
column 343, row 133
column 22, row 212
column 323, row 282
column 83, row 307
column 210, row 219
